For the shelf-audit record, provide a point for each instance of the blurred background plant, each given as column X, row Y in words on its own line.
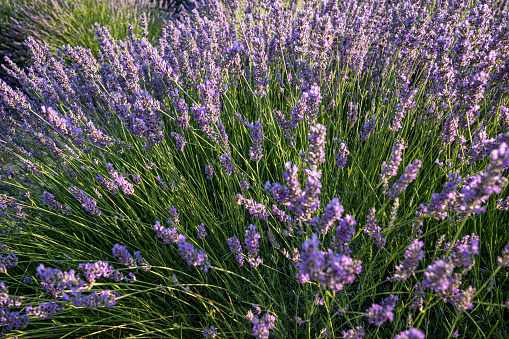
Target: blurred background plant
column 61, row 22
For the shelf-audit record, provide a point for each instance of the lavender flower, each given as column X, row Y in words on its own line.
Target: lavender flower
column 5, row 300
column 503, row 261
column 13, row 320
column 439, row 202
column 313, row 103
column 163, row 185
column 141, row 261
column 105, row 298
column 309, row 200
column 477, row 189
column 298, row 110
column 96, row 270
column 413, row 255
column 332, row 213
column 123, row 255
column 201, row 231
column 58, row 278
column 282, row 216
column 286, row 126
column 255, row 209
column 262, row 326
column 209, row 172
column 503, row 204
column 209, row 332
column 137, row 179
column 49, row 200
column 390, row 168
column 332, row 270
column 235, row 247
column 291, row 194
column 462, row 252
column 405, row 179
column 412, row 333
column 438, row 276
column 342, row 155
column 167, row 234
column 352, row 113
column 252, row 245
column 182, row 109
column 316, row 153
column 44, row 310
column 374, row 230
column 463, row 300
column 174, row 220
column 358, row 333
column 7, row 261
column 191, row 255
column 344, row 233
column 272, row 239
column 368, row 128
column 255, row 152
column 378, row 314
column 450, row 131
column 227, row 164
column 181, row 142
column 86, row 200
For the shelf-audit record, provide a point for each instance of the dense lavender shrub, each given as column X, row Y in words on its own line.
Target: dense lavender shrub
column 354, row 154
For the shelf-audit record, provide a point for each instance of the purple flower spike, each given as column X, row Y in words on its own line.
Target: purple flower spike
column 209, row 332
column 368, row 128
column 358, row 333
column 181, row 142
column 209, row 172
column 255, row 209
column 503, row 261
column 191, row 255
column 7, row 261
column 201, row 231
column 96, row 270
column 378, row 314
column 438, row 276
column 405, row 179
column 58, row 278
column 374, row 230
column 316, row 153
column 167, row 234
column 262, row 326
column 252, row 245
column 86, row 200
column 44, row 310
column 412, row 333
column 49, row 200
column 235, row 247
column 413, row 255
column 332, row 213
column 342, row 155
column 331, row 269
column 123, row 255
column 352, row 113
column 390, row 168
column 255, row 152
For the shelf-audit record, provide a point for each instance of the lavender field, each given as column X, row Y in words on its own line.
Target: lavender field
column 266, row 169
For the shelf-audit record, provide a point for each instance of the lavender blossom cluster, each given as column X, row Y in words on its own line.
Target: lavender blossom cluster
column 330, row 269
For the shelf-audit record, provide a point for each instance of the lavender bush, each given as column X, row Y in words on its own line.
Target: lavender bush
column 61, row 22
column 346, row 162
